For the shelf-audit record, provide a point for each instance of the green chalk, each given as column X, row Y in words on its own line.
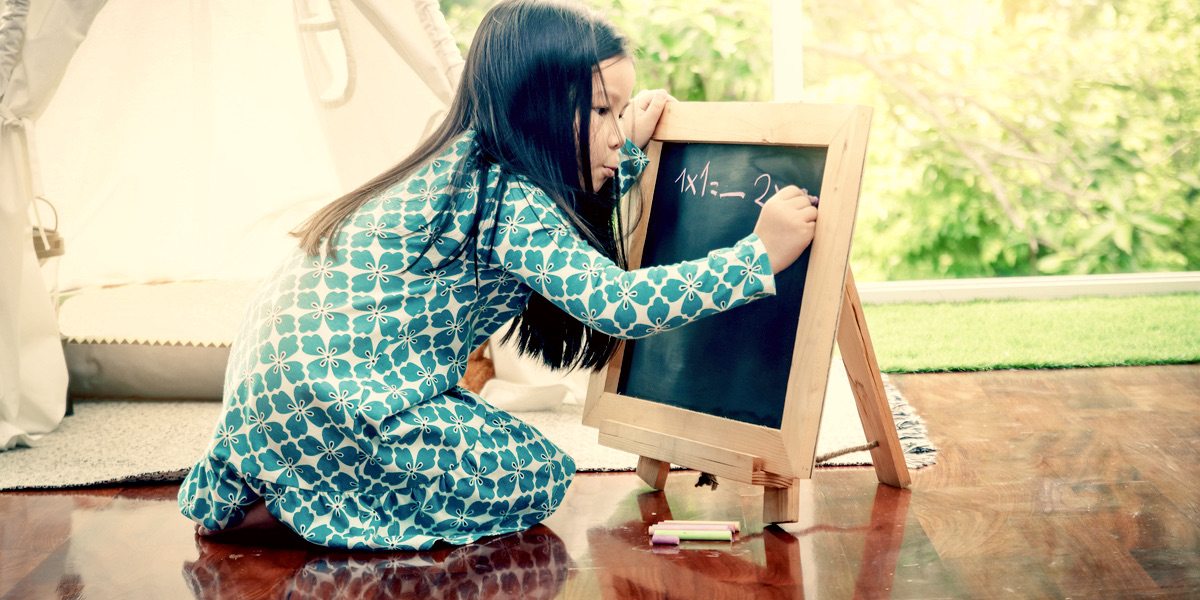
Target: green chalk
column 705, row 535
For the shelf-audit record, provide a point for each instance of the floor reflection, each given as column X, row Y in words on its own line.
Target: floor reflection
column 849, row 548
column 769, row 563
column 530, row 564
column 885, row 535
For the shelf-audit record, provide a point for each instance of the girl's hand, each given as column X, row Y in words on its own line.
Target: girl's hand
column 786, row 226
column 646, row 107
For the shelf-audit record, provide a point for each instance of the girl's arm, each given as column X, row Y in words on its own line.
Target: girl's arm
column 646, row 108
column 536, row 245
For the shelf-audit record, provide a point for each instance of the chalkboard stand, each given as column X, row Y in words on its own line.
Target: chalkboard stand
column 874, row 411
column 780, row 495
column 662, row 433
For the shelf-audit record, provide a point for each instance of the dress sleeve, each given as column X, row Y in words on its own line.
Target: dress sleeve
column 536, row 245
column 633, row 161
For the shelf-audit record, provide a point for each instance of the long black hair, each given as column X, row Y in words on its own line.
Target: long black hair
column 526, row 92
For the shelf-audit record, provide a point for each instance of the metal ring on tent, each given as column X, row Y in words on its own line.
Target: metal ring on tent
column 47, row 241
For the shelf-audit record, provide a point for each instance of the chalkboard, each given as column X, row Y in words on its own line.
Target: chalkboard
column 734, row 364
column 740, row 394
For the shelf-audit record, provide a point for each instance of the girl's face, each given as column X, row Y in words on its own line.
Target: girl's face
column 612, row 87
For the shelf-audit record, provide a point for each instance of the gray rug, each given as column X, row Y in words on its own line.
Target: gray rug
column 128, row 441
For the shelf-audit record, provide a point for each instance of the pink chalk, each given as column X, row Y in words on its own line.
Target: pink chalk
column 665, row 540
column 722, row 535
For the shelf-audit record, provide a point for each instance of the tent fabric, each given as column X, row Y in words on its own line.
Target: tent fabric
column 183, row 141
column 352, row 54
column 200, row 172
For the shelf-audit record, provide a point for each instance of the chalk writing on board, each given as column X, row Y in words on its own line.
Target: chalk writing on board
column 688, row 184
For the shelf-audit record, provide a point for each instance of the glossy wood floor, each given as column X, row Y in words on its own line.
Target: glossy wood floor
column 1049, row 484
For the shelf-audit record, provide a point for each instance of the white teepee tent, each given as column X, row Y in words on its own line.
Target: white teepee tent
column 181, row 141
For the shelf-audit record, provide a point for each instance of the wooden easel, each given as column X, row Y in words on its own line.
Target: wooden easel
column 661, row 434
column 781, row 502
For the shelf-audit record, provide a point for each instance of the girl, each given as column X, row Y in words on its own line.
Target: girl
column 342, row 419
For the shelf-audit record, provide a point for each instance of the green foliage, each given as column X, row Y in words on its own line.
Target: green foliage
column 463, row 17
column 1010, row 138
column 699, row 50
column 1050, row 137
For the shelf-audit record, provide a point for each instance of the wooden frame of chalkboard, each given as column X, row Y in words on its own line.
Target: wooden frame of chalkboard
column 769, row 145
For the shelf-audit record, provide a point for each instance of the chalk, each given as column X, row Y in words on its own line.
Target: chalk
column 732, row 525
column 691, row 527
column 685, row 534
column 665, row 540
column 811, row 198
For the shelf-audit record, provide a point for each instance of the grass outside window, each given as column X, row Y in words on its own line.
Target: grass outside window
column 1036, row 334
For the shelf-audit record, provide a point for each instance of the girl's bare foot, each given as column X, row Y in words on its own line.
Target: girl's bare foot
column 258, row 519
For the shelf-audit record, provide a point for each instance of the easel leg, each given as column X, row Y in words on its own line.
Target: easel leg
column 781, row 505
column 873, row 408
column 653, row 472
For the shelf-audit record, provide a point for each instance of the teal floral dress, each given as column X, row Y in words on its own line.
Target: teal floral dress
column 342, row 410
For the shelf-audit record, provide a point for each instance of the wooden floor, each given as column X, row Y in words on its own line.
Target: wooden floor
column 1049, row 484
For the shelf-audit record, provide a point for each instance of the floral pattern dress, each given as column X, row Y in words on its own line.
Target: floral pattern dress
column 341, row 406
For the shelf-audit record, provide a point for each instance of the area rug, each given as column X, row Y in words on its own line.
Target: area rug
column 129, row 441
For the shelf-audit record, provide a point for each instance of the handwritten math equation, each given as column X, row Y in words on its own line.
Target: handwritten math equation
column 701, row 185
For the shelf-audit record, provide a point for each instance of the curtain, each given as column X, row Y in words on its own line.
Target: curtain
column 37, row 40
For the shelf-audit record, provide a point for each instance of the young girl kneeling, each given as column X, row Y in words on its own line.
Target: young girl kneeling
column 342, row 417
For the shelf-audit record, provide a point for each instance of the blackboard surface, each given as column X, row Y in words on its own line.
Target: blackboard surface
column 734, row 364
